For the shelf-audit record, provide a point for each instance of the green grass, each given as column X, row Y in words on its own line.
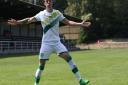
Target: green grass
column 101, row 67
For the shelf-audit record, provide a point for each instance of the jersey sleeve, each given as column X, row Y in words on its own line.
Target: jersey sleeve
column 37, row 16
column 61, row 17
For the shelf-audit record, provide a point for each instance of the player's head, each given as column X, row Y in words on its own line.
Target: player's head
column 48, row 3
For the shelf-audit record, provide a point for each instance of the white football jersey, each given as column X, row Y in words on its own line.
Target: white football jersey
column 50, row 23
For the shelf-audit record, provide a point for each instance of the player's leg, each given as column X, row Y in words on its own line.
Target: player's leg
column 71, row 63
column 74, row 68
column 63, row 53
column 39, row 71
column 45, row 52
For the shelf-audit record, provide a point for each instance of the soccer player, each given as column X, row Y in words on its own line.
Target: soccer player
column 50, row 19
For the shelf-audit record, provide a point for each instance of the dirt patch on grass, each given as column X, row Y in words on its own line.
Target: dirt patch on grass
column 112, row 43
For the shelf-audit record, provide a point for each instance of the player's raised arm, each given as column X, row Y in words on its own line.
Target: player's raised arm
column 22, row 21
column 73, row 23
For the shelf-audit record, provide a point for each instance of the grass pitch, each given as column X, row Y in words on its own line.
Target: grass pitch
column 101, row 67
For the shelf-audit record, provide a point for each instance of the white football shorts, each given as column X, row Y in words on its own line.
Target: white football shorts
column 47, row 49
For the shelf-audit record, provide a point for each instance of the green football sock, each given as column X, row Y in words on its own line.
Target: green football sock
column 38, row 74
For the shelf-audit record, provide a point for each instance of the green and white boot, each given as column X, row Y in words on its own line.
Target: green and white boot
column 83, row 82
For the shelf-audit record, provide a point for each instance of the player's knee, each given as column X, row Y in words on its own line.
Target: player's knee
column 66, row 56
column 41, row 67
column 69, row 58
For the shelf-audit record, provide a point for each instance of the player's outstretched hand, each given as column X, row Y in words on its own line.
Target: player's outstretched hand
column 12, row 22
column 86, row 24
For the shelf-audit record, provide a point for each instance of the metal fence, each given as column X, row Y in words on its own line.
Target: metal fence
column 8, row 47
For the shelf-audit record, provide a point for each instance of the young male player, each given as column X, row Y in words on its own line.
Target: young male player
column 50, row 19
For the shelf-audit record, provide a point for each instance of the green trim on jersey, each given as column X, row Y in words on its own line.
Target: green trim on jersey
column 52, row 24
column 53, row 15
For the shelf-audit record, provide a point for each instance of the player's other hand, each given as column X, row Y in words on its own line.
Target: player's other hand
column 12, row 22
column 86, row 24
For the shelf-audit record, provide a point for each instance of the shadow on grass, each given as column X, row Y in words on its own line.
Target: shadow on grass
column 29, row 54
column 17, row 55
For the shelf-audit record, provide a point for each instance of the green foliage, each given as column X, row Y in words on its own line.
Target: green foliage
column 112, row 17
column 76, row 8
column 82, row 35
column 60, row 4
column 87, row 17
column 109, row 18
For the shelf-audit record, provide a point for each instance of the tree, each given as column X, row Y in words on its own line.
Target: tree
column 109, row 19
column 60, row 5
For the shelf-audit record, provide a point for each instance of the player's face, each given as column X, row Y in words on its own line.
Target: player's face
column 48, row 3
